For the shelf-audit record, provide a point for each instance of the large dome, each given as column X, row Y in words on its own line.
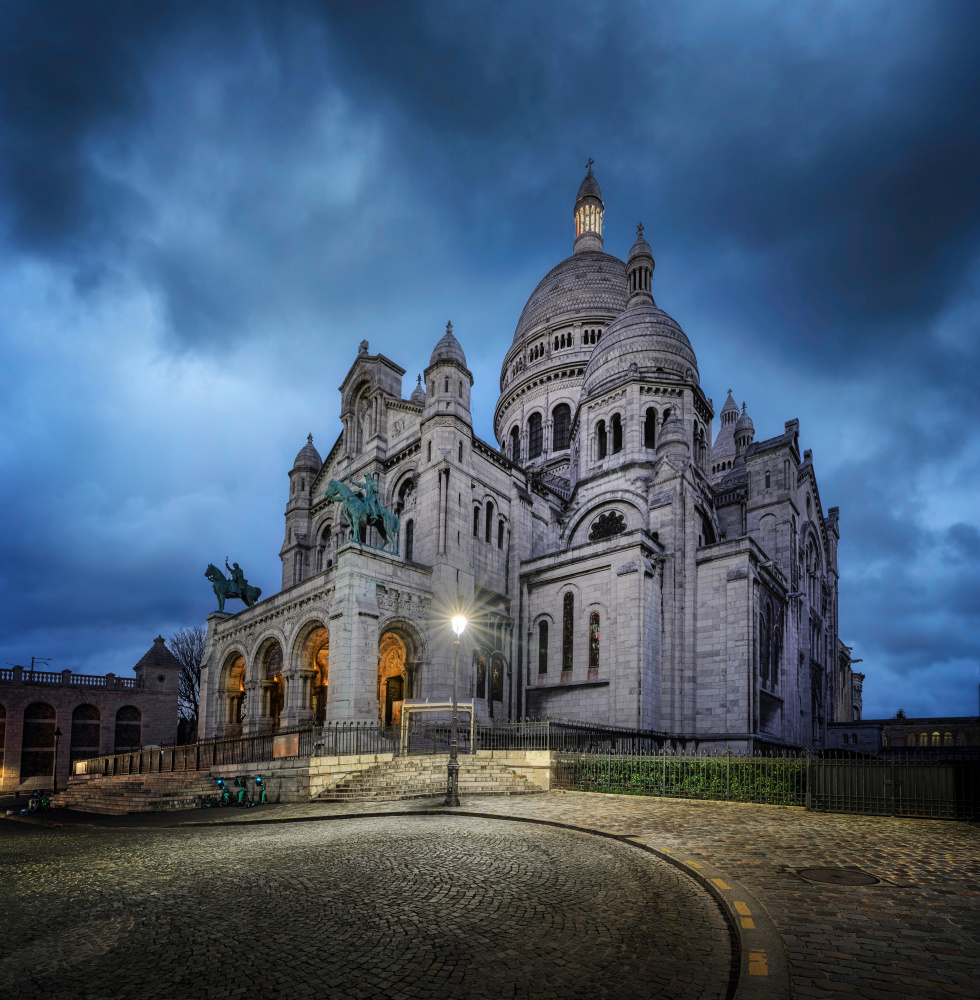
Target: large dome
column 585, row 283
column 647, row 338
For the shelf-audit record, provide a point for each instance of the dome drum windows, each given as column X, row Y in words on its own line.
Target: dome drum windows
column 617, row 433
column 515, row 445
column 535, row 437
column 601, row 440
column 561, row 427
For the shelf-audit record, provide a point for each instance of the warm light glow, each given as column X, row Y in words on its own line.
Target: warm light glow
column 459, row 623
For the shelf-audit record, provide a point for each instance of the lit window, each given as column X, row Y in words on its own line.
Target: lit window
column 594, row 640
column 567, row 627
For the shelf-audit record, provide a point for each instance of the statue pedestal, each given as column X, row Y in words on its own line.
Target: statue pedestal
column 219, row 616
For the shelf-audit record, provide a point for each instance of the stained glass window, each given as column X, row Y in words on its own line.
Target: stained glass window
column 481, row 675
column 534, row 436
column 561, row 417
column 542, row 647
column 497, row 679
column 567, row 626
column 594, row 639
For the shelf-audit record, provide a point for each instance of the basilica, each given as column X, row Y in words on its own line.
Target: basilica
column 620, row 558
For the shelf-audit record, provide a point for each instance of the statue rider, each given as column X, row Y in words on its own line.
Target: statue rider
column 237, row 577
column 372, row 503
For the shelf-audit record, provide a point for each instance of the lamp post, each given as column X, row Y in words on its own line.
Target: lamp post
column 452, row 768
column 54, row 777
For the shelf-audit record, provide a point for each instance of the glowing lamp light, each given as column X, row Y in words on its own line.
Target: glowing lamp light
column 459, row 623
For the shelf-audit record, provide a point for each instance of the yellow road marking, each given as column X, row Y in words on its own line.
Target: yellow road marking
column 721, row 883
column 741, row 908
column 748, row 923
column 758, row 962
column 694, row 864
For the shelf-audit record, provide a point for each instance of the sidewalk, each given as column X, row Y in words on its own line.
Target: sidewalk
column 914, row 932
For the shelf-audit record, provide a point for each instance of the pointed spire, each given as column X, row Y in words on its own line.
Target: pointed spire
column 639, row 269
column 588, row 213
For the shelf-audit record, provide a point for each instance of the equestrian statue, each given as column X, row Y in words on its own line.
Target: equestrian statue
column 365, row 510
column 237, row 586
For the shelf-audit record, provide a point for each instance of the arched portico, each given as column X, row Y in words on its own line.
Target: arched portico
column 309, row 675
column 269, row 684
column 400, row 656
column 232, row 706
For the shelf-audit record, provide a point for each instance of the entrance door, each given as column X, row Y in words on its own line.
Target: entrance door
column 394, row 692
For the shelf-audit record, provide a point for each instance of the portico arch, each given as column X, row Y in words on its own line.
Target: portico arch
column 232, row 707
column 311, row 659
column 400, row 656
column 271, row 686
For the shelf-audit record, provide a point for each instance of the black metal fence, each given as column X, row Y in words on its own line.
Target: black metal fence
column 907, row 787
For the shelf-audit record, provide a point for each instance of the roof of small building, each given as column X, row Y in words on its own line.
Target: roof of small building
column 158, row 656
column 744, row 422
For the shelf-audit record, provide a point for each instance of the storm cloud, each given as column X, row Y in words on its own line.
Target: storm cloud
column 204, row 208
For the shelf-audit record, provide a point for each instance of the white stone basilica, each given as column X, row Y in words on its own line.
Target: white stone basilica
column 618, row 563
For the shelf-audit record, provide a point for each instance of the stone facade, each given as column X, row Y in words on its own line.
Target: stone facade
column 97, row 714
column 617, row 562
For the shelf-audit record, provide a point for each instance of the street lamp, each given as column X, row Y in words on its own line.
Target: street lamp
column 452, row 768
column 54, row 777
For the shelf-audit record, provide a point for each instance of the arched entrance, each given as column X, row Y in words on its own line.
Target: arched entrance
column 234, row 707
column 273, row 685
column 86, row 731
column 37, row 742
column 314, row 659
column 392, row 678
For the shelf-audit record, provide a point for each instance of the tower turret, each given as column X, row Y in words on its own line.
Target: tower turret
column 639, row 270
column 744, row 433
column 588, row 213
column 448, row 380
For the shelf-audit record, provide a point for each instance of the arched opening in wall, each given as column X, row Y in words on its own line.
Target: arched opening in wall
column 534, row 436
column 617, row 433
column 497, row 666
column 362, row 418
column 86, row 732
column 489, row 533
column 476, row 521
column 273, row 684
column 515, row 444
column 650, row 428
column 777, row 653
column 567, row 631
column 600, row 437
column 315, row 664
column 480, row 673
column 129, row 729
column 500, row 534
column 234, row 708
column 324, row 550
column 561, row 426
column 707, row 529
column 392, row 678
column 542, row 648
column 409, row 545
column 37, row 741
column 593, row 645
column 763, row 650
column 910, row 740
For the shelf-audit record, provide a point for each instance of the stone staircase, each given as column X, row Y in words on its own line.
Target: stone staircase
column 424, row 777
column 137, row 793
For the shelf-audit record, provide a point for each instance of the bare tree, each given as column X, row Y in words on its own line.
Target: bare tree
column 187, row 644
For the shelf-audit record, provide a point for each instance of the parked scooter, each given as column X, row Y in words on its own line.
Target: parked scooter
column 222, row 798
column 260, row 790
column 244, row 798
column 38, row 802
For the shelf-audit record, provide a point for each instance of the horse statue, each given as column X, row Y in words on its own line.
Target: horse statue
column 365, row 512
column 237, row 586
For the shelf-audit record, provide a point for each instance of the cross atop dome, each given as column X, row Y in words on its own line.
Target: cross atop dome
column 639, row 229
column 588, row 166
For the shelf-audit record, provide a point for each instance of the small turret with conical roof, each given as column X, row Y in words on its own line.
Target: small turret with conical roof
column 418, row 393
column 744, row 433
column 588, row 213
column 639, row 270
column 448, row 380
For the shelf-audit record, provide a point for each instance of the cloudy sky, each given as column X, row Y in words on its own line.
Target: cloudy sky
column 205, row 207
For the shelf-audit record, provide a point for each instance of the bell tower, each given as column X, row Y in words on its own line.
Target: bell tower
column 588, row 213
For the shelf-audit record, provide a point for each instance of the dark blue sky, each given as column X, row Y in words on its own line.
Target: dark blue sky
column 205, row 207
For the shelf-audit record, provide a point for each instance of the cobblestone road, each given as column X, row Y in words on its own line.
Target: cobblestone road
column 399, row 906
column 916, row 933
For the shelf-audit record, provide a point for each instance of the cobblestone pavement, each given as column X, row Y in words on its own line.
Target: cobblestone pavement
column 914, row 933
column 395, row 906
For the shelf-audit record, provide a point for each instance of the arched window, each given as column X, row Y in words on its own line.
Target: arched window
column 500, row 534
column 777, row 650
column 481, row 674
column 763, row 650
column 556, row 343
column 542, row 647
column 476, row 522
column 935, row 739
column 617, row 433
column 650, row 428
column 910, row 740
column 846, row 739
column 567, row 630
column 86, row 731
column 534, row 436
column 600, row 432
column 459, row 454
column 961, row 739
column 429, row 452
column 409, row 539
column 489, row 520
column 128, row 728
column 561, row 426
column 496, row 677
column 594, row 640
column 447, row 386
column 923, row 739
column 515, row 445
